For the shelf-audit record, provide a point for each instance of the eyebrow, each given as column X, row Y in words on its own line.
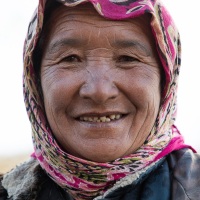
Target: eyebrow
column 74, row 42
column 132, row 43
column 55, row 46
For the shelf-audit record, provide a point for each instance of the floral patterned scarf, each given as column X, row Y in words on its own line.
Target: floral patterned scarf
column 85, row 179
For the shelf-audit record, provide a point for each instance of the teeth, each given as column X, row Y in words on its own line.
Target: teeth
column 101, row 119
column 90, row 119
column 117, row 116
column 108, row 119
column 112, row 116
column 85, row 118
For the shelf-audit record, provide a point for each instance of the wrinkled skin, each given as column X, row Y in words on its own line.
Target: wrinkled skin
column 95, row 67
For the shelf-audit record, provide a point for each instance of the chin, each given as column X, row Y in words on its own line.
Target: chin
column 103, row 158
column 101, row 155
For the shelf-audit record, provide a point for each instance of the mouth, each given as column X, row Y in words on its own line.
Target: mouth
column 101, row 119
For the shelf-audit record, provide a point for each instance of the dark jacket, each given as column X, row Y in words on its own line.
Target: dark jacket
column 177, row 177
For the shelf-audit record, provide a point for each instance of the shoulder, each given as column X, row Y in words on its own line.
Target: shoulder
column 29, row 181
column 185, row 166
column 16, row 183
column 3, row 192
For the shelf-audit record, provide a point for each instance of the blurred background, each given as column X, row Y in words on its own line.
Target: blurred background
column 15, row 133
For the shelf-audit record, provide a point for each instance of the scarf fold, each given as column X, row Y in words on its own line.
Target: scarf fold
column 85, row 179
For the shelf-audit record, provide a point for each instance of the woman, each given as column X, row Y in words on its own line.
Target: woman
column 100, row 85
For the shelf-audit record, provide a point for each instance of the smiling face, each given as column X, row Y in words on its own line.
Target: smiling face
column 100, row 81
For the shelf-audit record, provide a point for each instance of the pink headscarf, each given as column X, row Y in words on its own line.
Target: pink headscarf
column 85, row 179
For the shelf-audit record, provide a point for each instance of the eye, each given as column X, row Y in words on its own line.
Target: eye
column 127, row 59
column 71, row 58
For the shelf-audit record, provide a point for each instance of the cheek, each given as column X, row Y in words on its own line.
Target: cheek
column 59, row 89
column 142, row 87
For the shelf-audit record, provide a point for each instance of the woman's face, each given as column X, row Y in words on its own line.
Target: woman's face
column 100, row 82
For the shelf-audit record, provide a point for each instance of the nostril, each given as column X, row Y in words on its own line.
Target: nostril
column 113, row 97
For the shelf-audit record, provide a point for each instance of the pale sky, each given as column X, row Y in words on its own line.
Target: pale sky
column 15, row 134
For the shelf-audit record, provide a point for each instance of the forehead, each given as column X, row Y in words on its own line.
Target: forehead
column 81, row 20
column 86, row 13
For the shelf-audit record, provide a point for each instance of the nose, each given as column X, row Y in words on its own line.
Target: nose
column 99, row 87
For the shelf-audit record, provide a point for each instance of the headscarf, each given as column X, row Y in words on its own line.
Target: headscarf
column 85, row 179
